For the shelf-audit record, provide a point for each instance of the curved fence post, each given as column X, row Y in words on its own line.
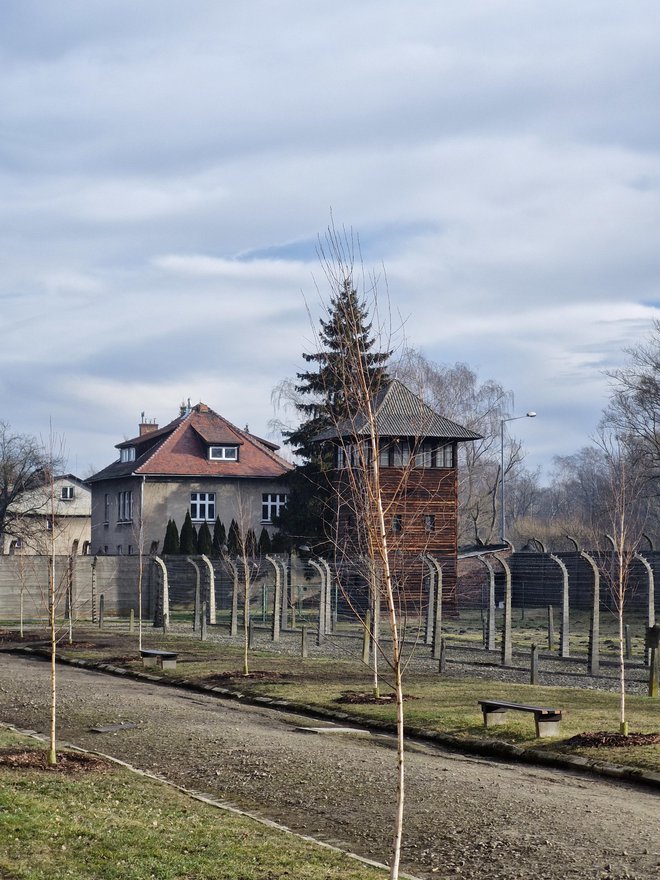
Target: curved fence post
column 197, row 615
column 277, row 598
column 437, row 620
column 286, row 596
column 93, row 564
column 428, row 635
column 233, row 622
column 490, row 631
column 211, row 611
column 564, row 648
column 650, row 592
column 594, row 626
column 320, row 635
column 507, row 647
column 165, row 594
column 328, row 595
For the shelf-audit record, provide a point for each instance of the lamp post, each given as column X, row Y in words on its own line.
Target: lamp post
column 528, row 415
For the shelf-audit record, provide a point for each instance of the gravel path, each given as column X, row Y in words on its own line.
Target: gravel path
column 465, row 816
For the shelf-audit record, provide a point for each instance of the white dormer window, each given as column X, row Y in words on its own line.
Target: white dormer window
column 67, row 493
column 223, row 453
column 127, row 453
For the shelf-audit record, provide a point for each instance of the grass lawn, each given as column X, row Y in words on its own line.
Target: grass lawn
column 109, row 824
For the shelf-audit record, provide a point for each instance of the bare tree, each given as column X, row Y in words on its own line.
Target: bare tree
column 634, row 408
column 360, row 492
column 24, row 467
column 624, row 514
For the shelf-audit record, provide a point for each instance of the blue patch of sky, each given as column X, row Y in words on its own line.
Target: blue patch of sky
column 374, row 242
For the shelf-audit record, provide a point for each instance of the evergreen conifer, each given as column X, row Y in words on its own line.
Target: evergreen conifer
column 219, row 537
column 233, row 539
column 325, row 404
column 204, row 540
column 171, row 542
column 265, row 544
column 186, row 539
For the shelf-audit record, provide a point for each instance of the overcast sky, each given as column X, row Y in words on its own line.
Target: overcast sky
column 166, row 168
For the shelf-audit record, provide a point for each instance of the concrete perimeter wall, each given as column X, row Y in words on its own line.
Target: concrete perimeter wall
column 116, row 577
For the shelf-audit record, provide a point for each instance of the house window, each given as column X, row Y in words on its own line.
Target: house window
column 125, row 506
column 223, row 453
column 130, row 550
column 120, row 550
column 106, row 508
column 67, row 493
column 202, row 506
column 127, row 453
column 49, row 524
column 272, row 504
column 397, row 524
column 341, row 457
column 429, row 523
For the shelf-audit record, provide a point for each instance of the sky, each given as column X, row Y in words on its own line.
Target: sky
column 167, row 168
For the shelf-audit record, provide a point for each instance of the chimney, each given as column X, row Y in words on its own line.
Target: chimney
column 147, row 427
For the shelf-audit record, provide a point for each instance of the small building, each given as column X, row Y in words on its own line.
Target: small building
column 417, row 458
column 199, row 464
column 54, row 517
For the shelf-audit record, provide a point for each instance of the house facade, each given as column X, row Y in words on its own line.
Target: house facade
column 200, row 464
column 51, row 518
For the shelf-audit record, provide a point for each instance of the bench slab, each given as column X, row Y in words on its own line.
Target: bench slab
column 152, row 657
column 547, row 720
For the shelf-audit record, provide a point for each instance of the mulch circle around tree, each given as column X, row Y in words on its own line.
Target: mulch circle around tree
column 67, row 762
column 356, row 697
column 613, row 740
column 9, row 636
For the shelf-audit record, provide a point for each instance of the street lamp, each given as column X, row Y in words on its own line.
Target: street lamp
column 528, row 415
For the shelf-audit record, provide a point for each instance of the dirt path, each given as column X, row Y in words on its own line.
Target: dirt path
column 465, row 816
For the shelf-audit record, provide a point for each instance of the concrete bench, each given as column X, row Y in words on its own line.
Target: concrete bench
column 164, row 659
column 547, row 720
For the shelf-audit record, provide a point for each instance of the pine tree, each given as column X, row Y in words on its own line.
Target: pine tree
column 204, row 540
column 233, row 539
column 186, row 540
column 265, row 544
column 219, row 538
column 171, row 542
column 346, row 326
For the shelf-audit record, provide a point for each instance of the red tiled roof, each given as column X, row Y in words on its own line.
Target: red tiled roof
column 185, row 451
column 181, row 449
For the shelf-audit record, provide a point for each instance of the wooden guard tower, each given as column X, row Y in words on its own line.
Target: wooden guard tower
column 417, row 456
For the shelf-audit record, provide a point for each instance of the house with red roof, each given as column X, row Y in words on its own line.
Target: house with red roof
column 199, row 463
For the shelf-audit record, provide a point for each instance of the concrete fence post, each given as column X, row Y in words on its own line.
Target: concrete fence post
column 211, row 613
column 490, row 624
column 277, row 599
column 564, row 633
column 593, row 662
column 650, row 594
column 507, row 647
